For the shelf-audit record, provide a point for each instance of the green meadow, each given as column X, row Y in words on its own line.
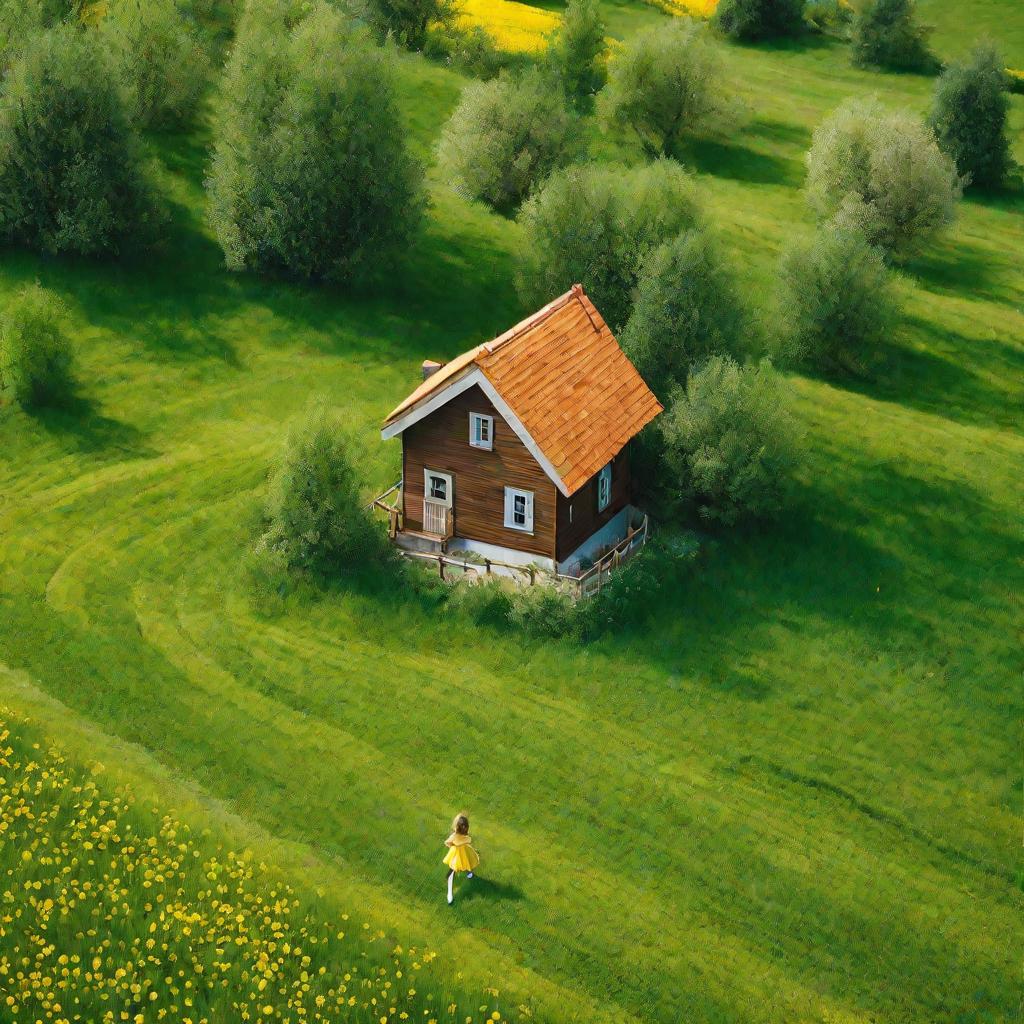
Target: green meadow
column 791, row 794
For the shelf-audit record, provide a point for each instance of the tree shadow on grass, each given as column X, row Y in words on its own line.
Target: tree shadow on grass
column 742, row 163
column 181, row 304
column 962, row 269
column 869, row 549
column 81, row 427
column 939, row 380
column 803, row 42
column 781, row 133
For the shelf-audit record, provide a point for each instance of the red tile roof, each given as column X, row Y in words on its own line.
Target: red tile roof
column 564, row 376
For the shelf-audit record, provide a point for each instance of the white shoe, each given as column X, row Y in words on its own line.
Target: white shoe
column 469, row 874
column 451, row 900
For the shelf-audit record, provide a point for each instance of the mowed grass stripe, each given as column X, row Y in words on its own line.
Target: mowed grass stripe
column 318, row 662
column 819, row 800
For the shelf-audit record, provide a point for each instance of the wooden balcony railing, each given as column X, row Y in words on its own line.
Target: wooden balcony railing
column 591, row 581
column 393, row 512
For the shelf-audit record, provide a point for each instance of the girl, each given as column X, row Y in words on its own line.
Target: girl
column 460, row 856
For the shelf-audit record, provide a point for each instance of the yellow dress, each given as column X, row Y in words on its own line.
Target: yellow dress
column 461, row 856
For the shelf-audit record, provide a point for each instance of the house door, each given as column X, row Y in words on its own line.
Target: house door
column 437, row 503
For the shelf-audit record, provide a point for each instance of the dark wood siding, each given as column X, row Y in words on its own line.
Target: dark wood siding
column 586, row 520
column 441, row 442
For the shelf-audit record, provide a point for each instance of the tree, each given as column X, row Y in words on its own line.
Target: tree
column 687, row 308
column 731, row 441
column 968, row 116
column 836, row 298
column 315, row 516
column 73, row 178
column 505, row 137
column 36, row 358
column 668, row 81
column 20, row 19
column 407, row 21
column 579, row 52
column 158, row 57
column 881, row 173
column 885, row 34
column 596, row 224
column 760, row 19
column 311, row 176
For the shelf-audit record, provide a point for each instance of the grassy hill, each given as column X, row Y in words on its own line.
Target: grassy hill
column 791, row 795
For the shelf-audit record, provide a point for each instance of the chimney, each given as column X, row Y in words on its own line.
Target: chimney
column 430, row 367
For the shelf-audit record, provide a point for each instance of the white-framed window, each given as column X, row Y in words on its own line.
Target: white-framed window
column 437, row 487
column 481, row 430
column 518, row 509
column 604, row 487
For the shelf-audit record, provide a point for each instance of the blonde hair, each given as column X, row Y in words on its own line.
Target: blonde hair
column 460, row 824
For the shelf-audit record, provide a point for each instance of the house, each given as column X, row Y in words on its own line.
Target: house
column 518, row 449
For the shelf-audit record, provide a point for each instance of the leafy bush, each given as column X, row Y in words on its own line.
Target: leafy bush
column 20, row 19
column 408, row 21
column 731, row 441
column 759, row 19
column 72, row 173
column 597, row 224
column 968, row 117
column 832, row 16
column 881, row 173
column 158, row 57
column 472, row 50
column 579, row 52
column 687, row 308
column 311, row 175
column 667, row 81
column 837, row 298
column 635, row 590
column 268, row 576
column 487, row 602
column 505, row 137
column 542, row 611
column 315, row 517
column 547, row 612
column 36, row 358
column 885, row 34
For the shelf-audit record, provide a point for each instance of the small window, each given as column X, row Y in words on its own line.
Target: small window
column 437, row 487
column 481, row 430
column 604, row 487
column 518, row 510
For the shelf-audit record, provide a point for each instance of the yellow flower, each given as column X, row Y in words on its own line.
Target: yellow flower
column 515, row 27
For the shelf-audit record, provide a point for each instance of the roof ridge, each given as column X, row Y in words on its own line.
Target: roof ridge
column 532, row 320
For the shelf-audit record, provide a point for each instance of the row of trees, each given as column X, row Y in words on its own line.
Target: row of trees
column 883, row 33
column 312, row 172
column 312, row 177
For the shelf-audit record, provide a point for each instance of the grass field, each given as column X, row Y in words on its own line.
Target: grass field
column 792, row 795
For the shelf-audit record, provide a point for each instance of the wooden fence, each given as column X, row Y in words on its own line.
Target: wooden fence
column 584, row 585
column 394, row 513
column 591, row 581
column 527, row 572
